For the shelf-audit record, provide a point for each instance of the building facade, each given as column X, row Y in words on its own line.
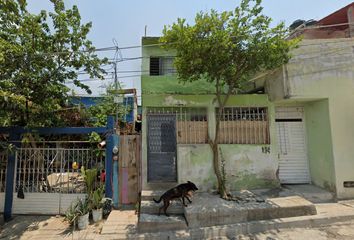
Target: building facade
column 179, row 118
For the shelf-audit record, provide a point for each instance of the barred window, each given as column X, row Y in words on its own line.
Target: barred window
column 162, row 66
column 154, row 66
column 192, row 126
column 244, row 125
column 191, row 123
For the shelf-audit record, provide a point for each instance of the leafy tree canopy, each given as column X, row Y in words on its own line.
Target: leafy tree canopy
column 106, row 106
column 38, row 53
column 227, row 49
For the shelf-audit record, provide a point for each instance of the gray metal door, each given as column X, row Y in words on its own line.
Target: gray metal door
column 161, row 148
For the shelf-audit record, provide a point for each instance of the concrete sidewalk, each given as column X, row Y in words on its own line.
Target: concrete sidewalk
column 46, row 228
column 122, row 225
column 328, row 214
column 344, row 231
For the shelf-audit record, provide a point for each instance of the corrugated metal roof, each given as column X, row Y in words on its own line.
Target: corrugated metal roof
column 337, row 17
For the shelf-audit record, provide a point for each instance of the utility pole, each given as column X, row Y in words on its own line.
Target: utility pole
column 116, row 139
column 116, row 89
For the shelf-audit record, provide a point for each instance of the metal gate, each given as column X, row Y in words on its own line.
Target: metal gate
column 3, row 165
column 161, row 140
column 49, row 179
column 293, row 162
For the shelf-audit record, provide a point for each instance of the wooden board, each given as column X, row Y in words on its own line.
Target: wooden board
column 129, row 168
column 192, row 132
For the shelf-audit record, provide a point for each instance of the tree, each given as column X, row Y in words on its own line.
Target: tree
column 106, row 107
column 38, row 53
column 227, row 49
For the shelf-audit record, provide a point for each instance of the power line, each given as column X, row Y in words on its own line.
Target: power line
column 147, row 45
column 111, row 78
column 103, row 49
column 127, row 71
column 88, row 80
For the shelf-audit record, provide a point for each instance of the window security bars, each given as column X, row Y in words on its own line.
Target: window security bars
column 162, row 66
column 154, row 66
column 55, row 170
column 244, row 125
column 191, row 123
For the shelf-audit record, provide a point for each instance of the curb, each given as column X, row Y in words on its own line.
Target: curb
column 233, row 230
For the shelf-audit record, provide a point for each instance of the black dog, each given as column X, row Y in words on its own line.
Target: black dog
column 180, row 191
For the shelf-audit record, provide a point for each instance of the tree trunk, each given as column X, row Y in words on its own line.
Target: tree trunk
column 214, row 143
column 215, row 148
column 219, row 177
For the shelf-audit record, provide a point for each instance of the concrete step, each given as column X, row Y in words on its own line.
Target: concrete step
column 148, row 195
column 150, row 207
column 155, row 223
column 209, row 210
column 327, row 214
column 310, row 192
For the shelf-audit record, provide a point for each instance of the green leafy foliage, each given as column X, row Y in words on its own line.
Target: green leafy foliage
column 104, row 107
column 82, row 207
column 38, row 53
column 94, row 138
column 90, row 176
column 71, row 214
column 96, row 198
column 227, row 49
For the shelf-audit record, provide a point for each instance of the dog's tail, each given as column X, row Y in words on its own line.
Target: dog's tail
column 157, row 201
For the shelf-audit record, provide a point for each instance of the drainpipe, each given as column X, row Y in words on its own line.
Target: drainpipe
column 286, row 82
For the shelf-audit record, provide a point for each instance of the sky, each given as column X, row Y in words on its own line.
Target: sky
column 125, row 22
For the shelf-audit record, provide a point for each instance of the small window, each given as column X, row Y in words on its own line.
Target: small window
column 154, row 66
column 244, row 125
column 161, row 66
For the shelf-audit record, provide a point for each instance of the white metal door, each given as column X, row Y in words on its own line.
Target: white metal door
column 293, row 162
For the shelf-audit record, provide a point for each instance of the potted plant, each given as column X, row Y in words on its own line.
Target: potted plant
column 90, row 176
column 97, row 204
column 82, row 210
column 71, row 214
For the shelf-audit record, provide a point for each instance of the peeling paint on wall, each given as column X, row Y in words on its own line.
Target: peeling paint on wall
column 171, row 101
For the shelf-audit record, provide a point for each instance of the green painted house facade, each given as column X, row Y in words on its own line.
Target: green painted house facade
column 178, row 118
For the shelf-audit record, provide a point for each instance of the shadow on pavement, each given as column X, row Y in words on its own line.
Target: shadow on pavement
column 15, row 228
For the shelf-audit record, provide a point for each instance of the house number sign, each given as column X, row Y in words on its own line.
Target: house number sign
column 266, row 149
